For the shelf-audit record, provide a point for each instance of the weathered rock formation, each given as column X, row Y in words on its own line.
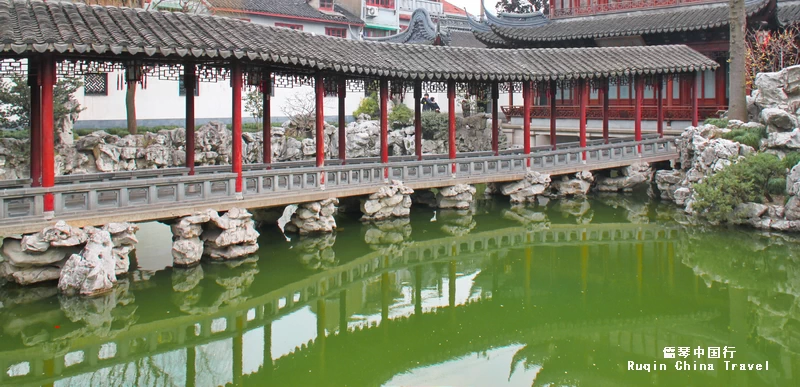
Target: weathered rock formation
column 314, row 217
column 391, row 201
column 776, row 98
column 459, row 196
column 317, row 252
column 41, row 256
column 387, row 233
column 219, row 237
column 625, row 179
column 457, row 222
column 93, row 270
column 524, row 191
column 578, row 185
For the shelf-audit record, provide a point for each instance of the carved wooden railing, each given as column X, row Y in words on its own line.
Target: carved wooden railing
column 616, row 6
column 671, row 113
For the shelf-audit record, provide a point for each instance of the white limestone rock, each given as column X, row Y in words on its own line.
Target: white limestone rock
column 528, row 188
column 93, row 270
column 778, row 119
column 314, row 217
column 629, row 177
column 187, row 251
column 392, row 200
column 59, row 235
column 14, row 253
column 793, row 181
column 29, row 275
column 459, row 196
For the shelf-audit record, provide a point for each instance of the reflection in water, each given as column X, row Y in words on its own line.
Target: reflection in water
column 564, row 294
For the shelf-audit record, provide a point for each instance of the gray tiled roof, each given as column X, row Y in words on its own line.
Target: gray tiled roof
column 112, row 33
column 788, row 12
column 464, row 39
column 671, row 19
column 290, row 8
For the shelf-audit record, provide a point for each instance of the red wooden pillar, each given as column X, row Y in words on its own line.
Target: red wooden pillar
column 266, row 128
column 638, row 85
column 451, row 127
column 384, row 106
column 526, row 120
column 660, row 105
column 495, row 117
column 342, row 93
column 553, row 88
column 604, row 90
column 319, row 111
column 36, row 124
column 510, row 97
column 48, row 72
column 694, row 93
column 189, row 84
column 670, row 90
column 583, row 90
column 418, row 119
column 236, row 154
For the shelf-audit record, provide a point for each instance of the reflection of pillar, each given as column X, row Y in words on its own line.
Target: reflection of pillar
column 191, row 355
column 48, row 369
column 739, row 328
column 584, row 269
column 418, row 290
column 343, row 312
column 238, row 351
column 268, row 348
column 639, row 267
column 384, row 297
column 321, row 338
column 495, row 275
column 452, row 284
column 528, row 258
column 671, row 260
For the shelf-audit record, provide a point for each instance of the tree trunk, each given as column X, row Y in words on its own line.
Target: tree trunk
column 737, row 105
column 130, row 107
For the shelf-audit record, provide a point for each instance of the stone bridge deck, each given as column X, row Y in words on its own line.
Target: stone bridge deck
column 139, row 199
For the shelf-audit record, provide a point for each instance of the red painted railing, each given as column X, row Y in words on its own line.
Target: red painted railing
column 671, row 113
column 610, row 7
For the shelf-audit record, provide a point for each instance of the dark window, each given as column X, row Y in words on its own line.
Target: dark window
column 326, row 5
column 298, row 27
column 337, row 32
column 381, row 3
column 182, row 88
column 95, row 84
column 375, row 33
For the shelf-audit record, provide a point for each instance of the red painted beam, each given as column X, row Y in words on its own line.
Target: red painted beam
column 660, row 105
column 418, row 119
column 553, row 87
column 189, row 84
column 266, row 123
column 694, row 94
column 495, row 118
column 583, row 90
column 604, row 91
column 342, row 94
column 384, row 106
column 236, row 107
column 526, row 117
column 48, row 71
column 36, row 124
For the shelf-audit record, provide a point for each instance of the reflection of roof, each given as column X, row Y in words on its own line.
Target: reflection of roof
column 120, row 32
column 298, row 9
column 537, row 28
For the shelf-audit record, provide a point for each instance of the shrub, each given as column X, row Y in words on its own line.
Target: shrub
column 752, row 179
column 401, row 115
column 369, row 105
column 791, row 159
column 718, row 122
column 18, row 134
column 747, row 136
column 433, row 123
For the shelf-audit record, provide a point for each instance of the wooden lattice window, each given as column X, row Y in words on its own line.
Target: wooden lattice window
column 337, row 32
column 326, row 5
column 95, row 84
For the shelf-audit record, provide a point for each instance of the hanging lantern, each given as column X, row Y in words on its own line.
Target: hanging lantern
column 134, row 72
column 762, row 37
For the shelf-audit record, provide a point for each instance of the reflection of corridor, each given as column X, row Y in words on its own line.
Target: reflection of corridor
column 552, row 294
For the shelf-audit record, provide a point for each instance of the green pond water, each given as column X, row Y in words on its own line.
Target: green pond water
column 584, row 293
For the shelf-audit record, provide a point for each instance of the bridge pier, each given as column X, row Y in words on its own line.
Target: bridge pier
column 391, row 201
column 314, row 217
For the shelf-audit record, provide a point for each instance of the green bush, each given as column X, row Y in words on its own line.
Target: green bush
column 718, row 122
column 776, row 186
column 18, row 134
column 791, row 159
column 401, row 115
column 433, row 123
column 752, row 179
column 747, row 136
column 369, row 105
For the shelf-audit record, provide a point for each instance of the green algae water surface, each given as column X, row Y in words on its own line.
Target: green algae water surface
column 610, row 291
